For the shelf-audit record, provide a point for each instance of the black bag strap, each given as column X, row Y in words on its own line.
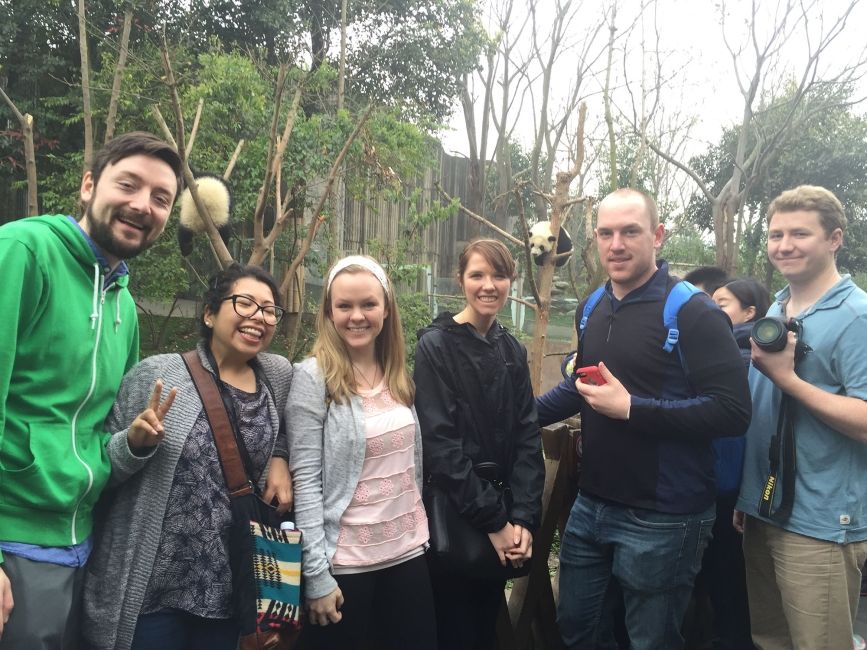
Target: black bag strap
column 234, row 473
column 781, row 455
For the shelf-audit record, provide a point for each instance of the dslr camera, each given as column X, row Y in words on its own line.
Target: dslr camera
column 771, row 335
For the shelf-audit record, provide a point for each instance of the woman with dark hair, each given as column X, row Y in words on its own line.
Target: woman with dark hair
column 723, row 572
column 159, row 576
column 482, row 445
column 745, row 301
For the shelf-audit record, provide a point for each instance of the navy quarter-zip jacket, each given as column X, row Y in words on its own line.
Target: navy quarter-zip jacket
column 661, row 458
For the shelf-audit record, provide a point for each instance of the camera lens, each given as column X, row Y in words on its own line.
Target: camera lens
column 769, row 333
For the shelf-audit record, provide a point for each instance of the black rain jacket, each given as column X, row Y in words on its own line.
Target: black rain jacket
column 475, row 404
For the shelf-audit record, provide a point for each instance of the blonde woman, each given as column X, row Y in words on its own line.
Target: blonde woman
column 355, row 456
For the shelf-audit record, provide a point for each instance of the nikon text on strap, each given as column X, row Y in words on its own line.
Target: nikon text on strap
column 781, row 455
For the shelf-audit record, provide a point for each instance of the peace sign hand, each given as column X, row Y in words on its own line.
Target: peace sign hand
column 147, row 429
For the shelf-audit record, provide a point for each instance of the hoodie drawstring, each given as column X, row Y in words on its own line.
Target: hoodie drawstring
column 94, row 314
column 117, row 320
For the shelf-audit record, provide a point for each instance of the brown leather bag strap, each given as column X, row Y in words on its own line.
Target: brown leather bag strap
column 224, row 437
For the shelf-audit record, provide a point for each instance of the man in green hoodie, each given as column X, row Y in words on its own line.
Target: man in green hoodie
column 69, row 332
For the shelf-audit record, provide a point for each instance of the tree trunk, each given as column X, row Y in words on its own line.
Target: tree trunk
column 341, row 71
column 30, row 165
column 560, row 203
column 26, row 122
column 111, row 118
column 85, row 84
column 474, row 196
column 335, row 208
column 606, row 96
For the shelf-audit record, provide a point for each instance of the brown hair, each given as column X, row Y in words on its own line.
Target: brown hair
column 812, row 198
column 495, row 253
column 333, row 358
column 132, row 144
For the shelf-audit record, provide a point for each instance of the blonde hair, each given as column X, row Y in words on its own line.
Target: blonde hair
column 390, row 350
column 812, row 198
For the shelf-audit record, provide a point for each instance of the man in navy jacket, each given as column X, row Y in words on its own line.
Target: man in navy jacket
column 645, row 508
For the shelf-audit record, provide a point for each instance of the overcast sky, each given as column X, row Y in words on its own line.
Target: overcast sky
column 702, row 83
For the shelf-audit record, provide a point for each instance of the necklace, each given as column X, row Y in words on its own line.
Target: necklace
column 370, row 384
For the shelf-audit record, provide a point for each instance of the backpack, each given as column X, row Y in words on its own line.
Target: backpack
column 677, row 297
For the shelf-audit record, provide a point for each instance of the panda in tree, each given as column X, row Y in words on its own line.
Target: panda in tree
column 542, row 240
column 215, row 194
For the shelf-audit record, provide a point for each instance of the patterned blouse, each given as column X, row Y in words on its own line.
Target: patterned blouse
column 191, row 571
column 385, row 522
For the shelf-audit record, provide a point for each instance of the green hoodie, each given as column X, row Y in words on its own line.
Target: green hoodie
column 65, row 344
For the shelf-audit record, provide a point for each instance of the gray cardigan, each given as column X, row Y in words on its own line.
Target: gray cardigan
column 327, row 444
column 128, row 532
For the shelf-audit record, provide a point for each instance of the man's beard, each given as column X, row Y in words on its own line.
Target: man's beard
column 102, row 236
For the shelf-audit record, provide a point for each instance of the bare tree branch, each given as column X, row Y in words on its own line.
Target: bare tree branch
column 195, row 128
column 480, row 218
column 219, row 247
column 234, row 159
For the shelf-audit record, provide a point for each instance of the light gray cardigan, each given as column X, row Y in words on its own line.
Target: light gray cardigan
column 327, row 444
column 128, row 535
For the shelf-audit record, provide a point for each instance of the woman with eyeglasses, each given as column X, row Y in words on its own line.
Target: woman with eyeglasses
column 159, row 575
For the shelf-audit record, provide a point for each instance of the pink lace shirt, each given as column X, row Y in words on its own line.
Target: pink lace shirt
column 385, row 521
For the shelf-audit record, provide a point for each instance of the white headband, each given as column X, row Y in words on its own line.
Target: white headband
column 359, row 260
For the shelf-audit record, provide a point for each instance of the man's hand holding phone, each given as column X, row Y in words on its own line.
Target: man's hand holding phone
column 603, row 392
column 590, row 375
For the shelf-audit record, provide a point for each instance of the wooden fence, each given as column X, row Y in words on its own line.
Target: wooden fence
column 527, row 620
column 371, row 218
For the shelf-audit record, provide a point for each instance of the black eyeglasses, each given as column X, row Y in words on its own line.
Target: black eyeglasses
column 248, row 308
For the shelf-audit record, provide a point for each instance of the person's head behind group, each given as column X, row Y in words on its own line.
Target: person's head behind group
column 128, row 194
column 241, row 310
column 707, row 278
column 358, row 315
column 744, row 300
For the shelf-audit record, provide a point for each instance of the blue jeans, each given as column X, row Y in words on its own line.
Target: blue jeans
column 173, row 629
column 653, row 558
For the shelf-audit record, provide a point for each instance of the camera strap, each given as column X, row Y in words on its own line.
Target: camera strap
column 781, row 455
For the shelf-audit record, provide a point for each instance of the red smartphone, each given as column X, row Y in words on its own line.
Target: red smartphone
column 590, row 375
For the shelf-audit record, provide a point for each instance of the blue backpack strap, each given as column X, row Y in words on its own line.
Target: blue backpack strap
column 592, row 300
column 680, row 293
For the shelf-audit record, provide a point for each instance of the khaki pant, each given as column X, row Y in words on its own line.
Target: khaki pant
column 803, row 592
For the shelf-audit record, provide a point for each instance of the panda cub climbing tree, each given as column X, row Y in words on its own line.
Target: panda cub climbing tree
column 542, row 240
column 217, row 198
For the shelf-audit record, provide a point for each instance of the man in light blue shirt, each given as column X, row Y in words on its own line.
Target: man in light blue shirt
column 805, row 540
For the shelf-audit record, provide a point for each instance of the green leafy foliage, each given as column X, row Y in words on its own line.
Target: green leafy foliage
column 687, row 247
column 404, row 57
column 410, row 55
column 415, row 314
